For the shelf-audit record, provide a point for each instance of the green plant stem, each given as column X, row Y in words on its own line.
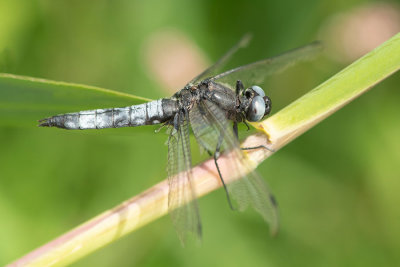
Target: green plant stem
column 333, row 94
column 277, row 131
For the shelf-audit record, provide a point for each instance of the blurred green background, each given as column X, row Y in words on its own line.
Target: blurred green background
column 337, row 185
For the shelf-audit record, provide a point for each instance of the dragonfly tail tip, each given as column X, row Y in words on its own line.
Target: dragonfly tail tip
column 44, row 123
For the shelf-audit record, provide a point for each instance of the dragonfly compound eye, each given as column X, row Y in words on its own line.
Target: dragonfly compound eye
column 258, row 90
column 256, row 109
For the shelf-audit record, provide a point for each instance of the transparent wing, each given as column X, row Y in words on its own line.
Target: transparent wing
column 211, row 71
column 255, row 73
column 182, row 203
column 209, row 122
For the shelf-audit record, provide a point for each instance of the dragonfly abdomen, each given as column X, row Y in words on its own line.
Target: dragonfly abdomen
column 153, row 112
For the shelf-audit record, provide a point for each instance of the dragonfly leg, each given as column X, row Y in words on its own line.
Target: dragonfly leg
column 257, row 147
column 235, row 129
column 248, row 127
column 244, row 121
column 216, row 156
column 161, row 127
column 239, row 87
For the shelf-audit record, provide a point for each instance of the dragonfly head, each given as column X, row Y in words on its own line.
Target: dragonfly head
column 259, row 104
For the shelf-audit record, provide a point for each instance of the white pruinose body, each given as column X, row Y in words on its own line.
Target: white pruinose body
column 153, row 112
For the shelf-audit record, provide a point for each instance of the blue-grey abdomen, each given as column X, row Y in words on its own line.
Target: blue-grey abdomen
column 153, row 112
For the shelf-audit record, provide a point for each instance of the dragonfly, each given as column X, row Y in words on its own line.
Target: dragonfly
column 212, row 105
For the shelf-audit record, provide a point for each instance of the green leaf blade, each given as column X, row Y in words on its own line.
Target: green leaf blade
column 25, row 100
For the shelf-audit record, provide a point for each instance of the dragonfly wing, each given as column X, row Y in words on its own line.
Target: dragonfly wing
column 212, row 70
column 209, row 122
column 255, row 73
column 182, row 202
column 252, row 191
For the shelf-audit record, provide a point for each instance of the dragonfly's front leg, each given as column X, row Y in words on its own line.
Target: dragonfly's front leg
column 253, row 147
column 257, row 147
column 235, row 130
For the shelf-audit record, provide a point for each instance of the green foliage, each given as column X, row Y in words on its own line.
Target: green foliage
column 337, row 185
column 24, row 99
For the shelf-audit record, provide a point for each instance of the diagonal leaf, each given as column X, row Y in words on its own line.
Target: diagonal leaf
column 24, row 100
